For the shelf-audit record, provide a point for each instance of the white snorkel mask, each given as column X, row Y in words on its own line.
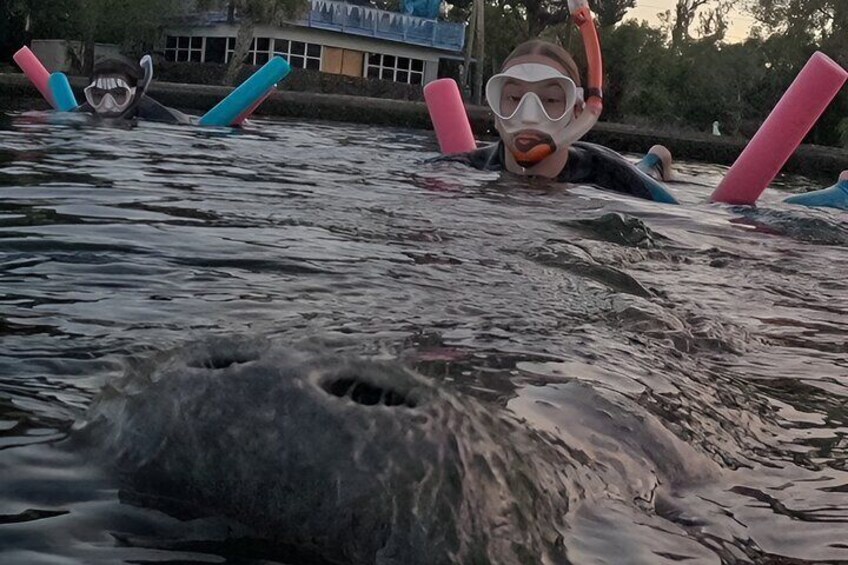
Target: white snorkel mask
column 110, row 96
column 533, row 128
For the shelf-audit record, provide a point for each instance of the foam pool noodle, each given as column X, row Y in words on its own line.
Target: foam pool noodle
column 249, row 112
column 834, row 197
column 783, row 131
column 450, row 121
column 35, row 72
column 248, row 93
column 62, row 93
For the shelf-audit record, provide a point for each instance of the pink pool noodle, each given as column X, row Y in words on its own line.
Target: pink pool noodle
column 35, row 72
column 780, row 135
column 444, row 102
column 247, row 113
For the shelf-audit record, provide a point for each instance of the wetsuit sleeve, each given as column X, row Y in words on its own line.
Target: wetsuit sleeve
column 598, row 165
column 150, row 109
column 489, row 158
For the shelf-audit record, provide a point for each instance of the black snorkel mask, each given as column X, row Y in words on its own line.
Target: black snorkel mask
column 116, row 87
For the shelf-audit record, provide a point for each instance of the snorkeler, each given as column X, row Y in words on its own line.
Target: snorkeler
column 540, row 114
column 118, row 91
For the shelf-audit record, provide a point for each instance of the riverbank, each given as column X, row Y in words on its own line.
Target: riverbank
column 812, row 160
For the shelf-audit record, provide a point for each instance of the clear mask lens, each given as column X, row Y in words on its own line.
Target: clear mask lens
column 109, row 95
column 94, row 96
column 554, row 96
column 513, row 89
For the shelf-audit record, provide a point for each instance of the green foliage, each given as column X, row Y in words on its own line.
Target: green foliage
column 610, row 12
column 682, row 75
column 130, row 23
column 269, row 11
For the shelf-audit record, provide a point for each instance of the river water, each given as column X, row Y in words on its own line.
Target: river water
column 693, row 357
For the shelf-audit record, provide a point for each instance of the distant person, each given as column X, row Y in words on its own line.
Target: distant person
column 534, row 98
column 716, row 131
column 118, row 91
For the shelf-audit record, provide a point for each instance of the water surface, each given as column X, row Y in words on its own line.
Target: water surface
column 696, row 350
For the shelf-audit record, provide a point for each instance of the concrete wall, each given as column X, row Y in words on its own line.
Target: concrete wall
column 17, row 93
column 329, row 39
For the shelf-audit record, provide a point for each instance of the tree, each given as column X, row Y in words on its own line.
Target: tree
column 476, row 39
column 542, row 14
column 13, row 14
column 610, row 12
column 678, row 23
column 818, row 17
column 712, row 27
column 134, row 25
column 252, row 12
column 799, row 27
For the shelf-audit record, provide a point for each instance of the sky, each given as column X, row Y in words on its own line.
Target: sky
column 740, row 22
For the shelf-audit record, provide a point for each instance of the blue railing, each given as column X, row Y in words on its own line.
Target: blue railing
column 361, row 20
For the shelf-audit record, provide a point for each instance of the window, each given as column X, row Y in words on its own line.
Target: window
column 231, row 46
column 216, row 50
column 300, row 55
column 185, row 48
column 259, row 52
column 398, row 69
column 250, row 58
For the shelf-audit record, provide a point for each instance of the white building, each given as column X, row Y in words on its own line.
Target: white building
column 64, row 55
column 334, row 37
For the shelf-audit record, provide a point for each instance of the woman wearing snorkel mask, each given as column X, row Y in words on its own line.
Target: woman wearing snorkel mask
column 540, row 114
column 118, row 91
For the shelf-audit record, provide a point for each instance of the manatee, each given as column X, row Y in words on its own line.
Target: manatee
column 352, row 460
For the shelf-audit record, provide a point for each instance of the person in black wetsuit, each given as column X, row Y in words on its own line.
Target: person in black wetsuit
column 535, row 98
column 118, row 91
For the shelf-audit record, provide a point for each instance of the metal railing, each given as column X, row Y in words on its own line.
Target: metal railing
column 339, row 16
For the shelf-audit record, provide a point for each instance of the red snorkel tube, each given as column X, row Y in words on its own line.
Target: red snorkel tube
column 593, row 93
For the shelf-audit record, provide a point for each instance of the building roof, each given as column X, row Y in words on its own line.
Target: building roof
column 333, row 15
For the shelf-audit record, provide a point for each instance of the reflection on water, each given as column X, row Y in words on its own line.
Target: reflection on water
column 687, row 365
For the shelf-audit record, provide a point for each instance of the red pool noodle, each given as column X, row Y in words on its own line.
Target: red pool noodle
column 35, row 72
column 783, row 131
column 247, row 113
column 444, row 102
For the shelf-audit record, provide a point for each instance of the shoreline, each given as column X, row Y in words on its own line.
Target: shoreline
column 811, row 160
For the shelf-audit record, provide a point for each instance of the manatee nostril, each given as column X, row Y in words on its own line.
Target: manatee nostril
column 339, row 387
column 392, row 398
column 366, row 394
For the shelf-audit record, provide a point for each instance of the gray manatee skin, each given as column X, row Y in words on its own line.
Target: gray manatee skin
column 351, row 460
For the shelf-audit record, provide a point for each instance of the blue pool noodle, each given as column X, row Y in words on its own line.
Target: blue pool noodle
column 62, row 93
column 248, row 92
column 834, row 197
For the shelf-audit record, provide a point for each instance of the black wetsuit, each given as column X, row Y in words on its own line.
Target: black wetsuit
column 587, row 164
column 148, row 109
